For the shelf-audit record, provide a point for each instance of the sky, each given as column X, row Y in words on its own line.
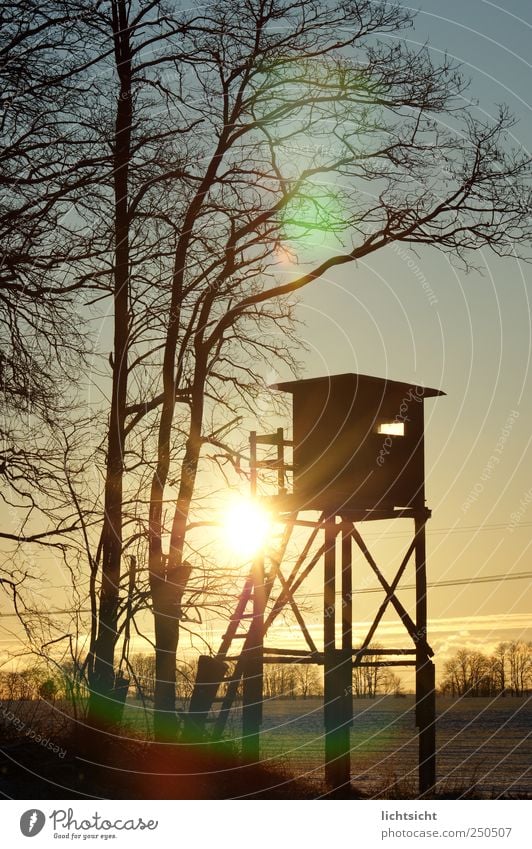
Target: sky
column 417, row 317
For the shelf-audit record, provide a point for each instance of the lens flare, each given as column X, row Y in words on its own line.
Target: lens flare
column 246, row 527
column 314, row 218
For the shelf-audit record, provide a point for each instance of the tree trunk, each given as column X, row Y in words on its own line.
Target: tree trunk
column 102, row 707
column 166, row 596
column 169, row 575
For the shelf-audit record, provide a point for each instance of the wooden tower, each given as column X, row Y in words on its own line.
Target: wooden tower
column 357, row 456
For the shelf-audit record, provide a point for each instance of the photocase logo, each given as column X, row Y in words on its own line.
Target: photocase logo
column 32, row 822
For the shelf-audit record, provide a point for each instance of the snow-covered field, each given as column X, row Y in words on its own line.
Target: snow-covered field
column 485, row 744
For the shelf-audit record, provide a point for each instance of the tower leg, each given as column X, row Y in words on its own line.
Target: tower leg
column 209, row 676
column 337, row 665
column 252, row 707
column 426, row 722
column 338, row 700
column 425, row 674
column 253, row 670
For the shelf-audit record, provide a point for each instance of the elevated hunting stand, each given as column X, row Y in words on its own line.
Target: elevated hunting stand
column 357, row 456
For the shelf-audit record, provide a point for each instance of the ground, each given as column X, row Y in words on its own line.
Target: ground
column 484, row 750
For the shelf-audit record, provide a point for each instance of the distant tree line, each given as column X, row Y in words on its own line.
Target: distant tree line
column 39, row 682
column 508, row 671
column 281, row 680
column 143, row 672
column 291, row 680
column 28, row 684
column 372, row 681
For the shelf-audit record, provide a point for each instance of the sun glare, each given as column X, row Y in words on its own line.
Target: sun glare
column 246, row 526
column 284, row 255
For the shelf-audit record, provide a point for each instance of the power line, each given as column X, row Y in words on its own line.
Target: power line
column 487, row 579
column 482, row 579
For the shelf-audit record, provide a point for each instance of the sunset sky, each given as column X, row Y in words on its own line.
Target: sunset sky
column 421, row 318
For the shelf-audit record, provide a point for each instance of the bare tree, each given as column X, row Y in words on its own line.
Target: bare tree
column 225, row 140
column 289, row 100
column 308, row 680
column 44, row 170
column 43, row 174
column 519, row 667
column 507, row 671
column 498, row 665
column 467, row 674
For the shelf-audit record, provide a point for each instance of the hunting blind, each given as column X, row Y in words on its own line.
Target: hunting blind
column 357, row 455
column 357, row 442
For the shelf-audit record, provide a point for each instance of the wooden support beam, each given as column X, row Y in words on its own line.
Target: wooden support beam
column 425, row 673
column 337, row 665
column 297, row 613
column 238, row 672
column 209, row 675
column 347, row 587
column 281, row 468
column 380, row 663
column 293, row 580
column 388, row 598
column 253, row 668
column 298, row 652
column 236, row 618
column 329, row 587
column 273, row 438
column 426, row 721
column 253, row 463
column 365, row 652
column 405, row 617
column 276, row 560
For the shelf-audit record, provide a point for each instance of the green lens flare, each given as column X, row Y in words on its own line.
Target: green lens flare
column 313, row 218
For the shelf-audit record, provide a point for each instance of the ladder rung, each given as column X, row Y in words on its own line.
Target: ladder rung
column 273, row 464
column 271, row 439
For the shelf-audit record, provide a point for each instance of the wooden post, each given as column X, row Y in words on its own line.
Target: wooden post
column 253, row 463
column 252, row 683
column 209, row 676
column 347, row 589
column 252, row 679
column 426, row 720
column 329, row 619
column 336, row 662
column 346, row 698
column 281, row 487
column 425, row 675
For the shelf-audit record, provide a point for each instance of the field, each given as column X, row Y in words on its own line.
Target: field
column 484, row 745
column 484, row 750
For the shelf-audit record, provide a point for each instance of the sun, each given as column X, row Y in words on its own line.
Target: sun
column 246, row 527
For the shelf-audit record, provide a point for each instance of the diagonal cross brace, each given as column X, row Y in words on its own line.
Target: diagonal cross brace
column 384, row 605
column 391, row 597
column 297, row 613
column 293, row 582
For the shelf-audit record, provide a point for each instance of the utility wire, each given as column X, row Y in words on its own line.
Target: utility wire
column 482, row 579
